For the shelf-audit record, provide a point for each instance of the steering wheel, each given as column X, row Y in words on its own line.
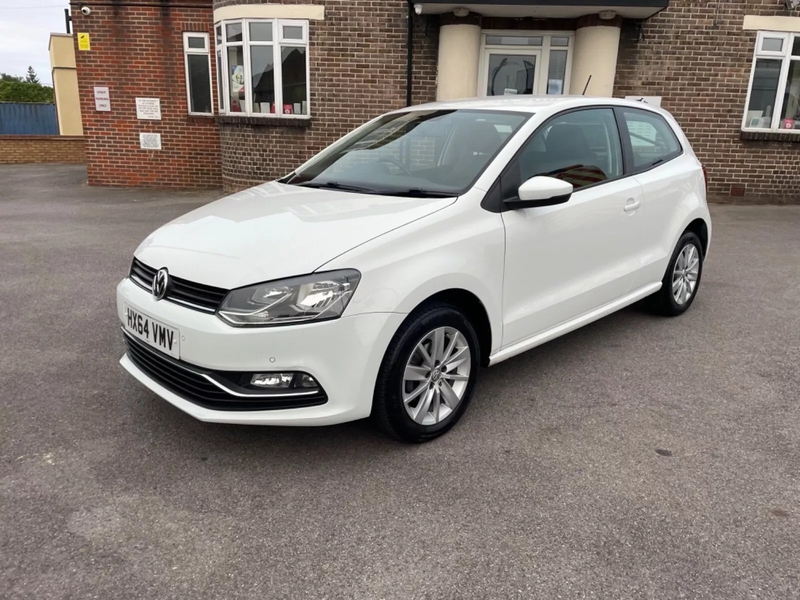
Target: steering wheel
column 396, row 163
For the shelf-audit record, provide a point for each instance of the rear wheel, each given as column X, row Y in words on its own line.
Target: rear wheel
column 682, row 279
column 428, row 374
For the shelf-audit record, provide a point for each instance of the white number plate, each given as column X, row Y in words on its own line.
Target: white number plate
column 159, row 336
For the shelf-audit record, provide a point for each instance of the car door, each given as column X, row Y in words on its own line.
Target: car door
column 565, row 260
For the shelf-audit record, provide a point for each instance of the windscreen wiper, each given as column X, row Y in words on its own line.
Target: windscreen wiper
column 417, row 193
column 335, row 185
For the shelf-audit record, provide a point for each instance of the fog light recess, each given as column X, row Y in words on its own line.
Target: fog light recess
column 283, row 381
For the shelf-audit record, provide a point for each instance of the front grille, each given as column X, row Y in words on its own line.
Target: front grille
column 196, row 296
column 188, row 382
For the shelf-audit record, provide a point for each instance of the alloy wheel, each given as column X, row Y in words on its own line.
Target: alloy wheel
column 436, row 376
column 685, row 274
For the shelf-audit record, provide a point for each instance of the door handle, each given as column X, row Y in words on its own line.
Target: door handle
column 632, row 205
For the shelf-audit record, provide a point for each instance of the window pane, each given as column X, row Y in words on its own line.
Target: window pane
column 219, row 34
column 790, row 116
column 796, row 46
column 559, row 41
column 197, row 42
column 557, row 72
column 651, row 137
column 295, row 91
column 772, row 45
column 262, row 63
column 199, row 83
column 220, row 88
column 580, row 147
column 236, row 78
column 512, row 40
column 233, row 32
column 510, row 74
column 762, row 95
column 292, row 32
column 260, row 32
column 438, row 150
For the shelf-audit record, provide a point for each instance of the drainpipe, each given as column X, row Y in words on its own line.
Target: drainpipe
column 410, row 51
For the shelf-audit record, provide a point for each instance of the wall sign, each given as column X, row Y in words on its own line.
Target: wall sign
column 84, row 43
column 150, row 141
column 652, row 100
column 148, row 108
column 102, row 99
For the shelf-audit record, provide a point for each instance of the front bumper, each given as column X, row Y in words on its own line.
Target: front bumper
column 343, row 355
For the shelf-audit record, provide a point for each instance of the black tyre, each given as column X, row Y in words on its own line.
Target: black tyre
column 682, row 280
column 428, row 374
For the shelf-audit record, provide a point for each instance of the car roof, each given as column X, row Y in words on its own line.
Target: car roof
column 530, row 104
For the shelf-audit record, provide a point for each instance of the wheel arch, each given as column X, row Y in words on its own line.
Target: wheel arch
column 472, row 307
column 700, row 228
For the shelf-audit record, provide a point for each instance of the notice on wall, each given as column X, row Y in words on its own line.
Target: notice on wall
column 102, row 99
column 84, row 43
column 148, row 108
column 652, row 100
column 150, row 141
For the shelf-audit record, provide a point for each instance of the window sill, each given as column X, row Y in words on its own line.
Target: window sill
column 300, row 122
column 792, row 136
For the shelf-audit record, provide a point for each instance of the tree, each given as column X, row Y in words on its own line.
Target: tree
column 31, row 77
column 21, row 91
column 7, row 77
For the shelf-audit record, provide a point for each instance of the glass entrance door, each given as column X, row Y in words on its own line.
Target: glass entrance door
column 511, row 72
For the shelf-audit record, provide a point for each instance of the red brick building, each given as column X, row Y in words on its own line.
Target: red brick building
column 202, row 93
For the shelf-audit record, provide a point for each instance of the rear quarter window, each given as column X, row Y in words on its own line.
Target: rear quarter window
column 651, row 138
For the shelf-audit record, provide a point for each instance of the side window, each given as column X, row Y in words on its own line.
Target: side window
column 198, row 73
column 652, row 139
column 580, row 147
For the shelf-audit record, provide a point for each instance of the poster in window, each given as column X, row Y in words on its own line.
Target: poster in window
column 237, row 79
column 555, row 86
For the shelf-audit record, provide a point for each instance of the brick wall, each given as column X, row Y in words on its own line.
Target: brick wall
column 17, row 149
column 698, row 58
column 137, row 51
column 357, row 60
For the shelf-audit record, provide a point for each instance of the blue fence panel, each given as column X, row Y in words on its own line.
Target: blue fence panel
column 28, row 118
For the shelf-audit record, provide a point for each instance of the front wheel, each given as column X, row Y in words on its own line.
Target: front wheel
column 682, row 279
column 428, row 374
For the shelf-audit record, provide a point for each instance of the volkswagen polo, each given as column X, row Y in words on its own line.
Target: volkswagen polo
column 381, row 275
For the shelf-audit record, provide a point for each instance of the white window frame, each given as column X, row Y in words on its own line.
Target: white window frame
column 786, row 60
column 206, row 50
column 542, row 53
column 278, row 42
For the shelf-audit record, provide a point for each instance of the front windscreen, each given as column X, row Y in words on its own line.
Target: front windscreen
column 419, row 153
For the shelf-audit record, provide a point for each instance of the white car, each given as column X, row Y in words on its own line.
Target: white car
column 380, row 276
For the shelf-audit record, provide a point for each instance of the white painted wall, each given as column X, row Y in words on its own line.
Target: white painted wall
column 459, row 57
column 596, row 50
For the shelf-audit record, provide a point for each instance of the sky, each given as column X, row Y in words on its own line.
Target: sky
column 25, row 27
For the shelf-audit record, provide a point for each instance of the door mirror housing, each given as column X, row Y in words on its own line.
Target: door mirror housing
column 541, row 191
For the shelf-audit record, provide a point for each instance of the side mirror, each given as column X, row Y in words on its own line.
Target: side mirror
column 541, row 191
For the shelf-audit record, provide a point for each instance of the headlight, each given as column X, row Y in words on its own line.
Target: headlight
column 316, row 297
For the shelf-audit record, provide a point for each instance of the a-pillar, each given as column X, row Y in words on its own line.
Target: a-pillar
column 459, row 57
column 595, row 55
